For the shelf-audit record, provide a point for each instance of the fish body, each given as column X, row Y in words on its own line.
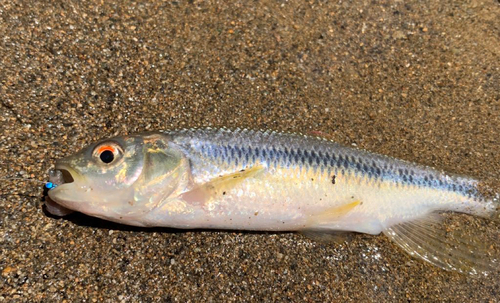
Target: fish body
column 261, row 180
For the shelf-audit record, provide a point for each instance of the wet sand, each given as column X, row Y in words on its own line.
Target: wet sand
column 414, row 80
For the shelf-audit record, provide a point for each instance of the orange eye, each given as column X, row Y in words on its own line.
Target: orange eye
column 106, row 153
column 105, row 148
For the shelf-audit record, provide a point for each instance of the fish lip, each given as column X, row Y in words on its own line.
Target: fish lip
column 56, row 209
column 55, row 195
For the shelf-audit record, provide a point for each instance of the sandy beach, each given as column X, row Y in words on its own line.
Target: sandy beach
column 416, row 80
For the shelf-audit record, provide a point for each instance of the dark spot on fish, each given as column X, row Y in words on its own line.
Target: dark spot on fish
column 242, row 170
column 231, row 149
column 346, row 164
column 325, row 161
column 312, row 179
column 333, row 179
column 298, row 156
column 256, row 213
column 223, row 193
column 274, row 152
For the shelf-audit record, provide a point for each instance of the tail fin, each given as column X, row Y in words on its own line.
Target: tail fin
column 444, row 241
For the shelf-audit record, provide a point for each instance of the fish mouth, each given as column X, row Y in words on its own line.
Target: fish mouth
column 62, row 177
column 62, row 174
column 67, row 177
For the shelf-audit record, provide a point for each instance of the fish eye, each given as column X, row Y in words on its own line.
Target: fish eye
column 107, row 156
column 107, row 152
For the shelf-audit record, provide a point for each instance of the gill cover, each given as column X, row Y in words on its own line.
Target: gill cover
column 164, row 169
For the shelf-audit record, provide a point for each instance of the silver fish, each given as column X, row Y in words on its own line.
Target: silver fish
column 261, row 180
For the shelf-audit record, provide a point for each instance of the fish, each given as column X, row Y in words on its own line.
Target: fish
column 258, row 180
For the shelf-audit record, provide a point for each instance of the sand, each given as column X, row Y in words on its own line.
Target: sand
column 417, row 80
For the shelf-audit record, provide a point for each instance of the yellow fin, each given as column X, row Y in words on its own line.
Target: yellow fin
column 219, row 185
column 331, row 215
column 231, row 180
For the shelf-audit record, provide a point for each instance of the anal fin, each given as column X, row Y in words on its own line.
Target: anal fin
column 329, row 216
column 318, row 226
column 430, row 239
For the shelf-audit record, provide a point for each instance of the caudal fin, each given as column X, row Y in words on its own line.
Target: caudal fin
column 450, row 247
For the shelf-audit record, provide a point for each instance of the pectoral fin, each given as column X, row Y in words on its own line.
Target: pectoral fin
column 202, row 193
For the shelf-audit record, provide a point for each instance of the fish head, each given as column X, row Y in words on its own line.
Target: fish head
column 120, row 179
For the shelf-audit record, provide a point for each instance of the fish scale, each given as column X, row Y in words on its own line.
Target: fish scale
column 290, row 150
column 274, row 181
